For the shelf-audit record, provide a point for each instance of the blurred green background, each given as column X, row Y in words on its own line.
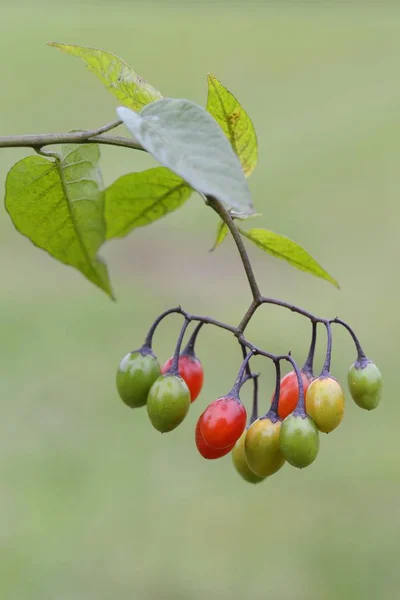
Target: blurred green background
column 95, row 504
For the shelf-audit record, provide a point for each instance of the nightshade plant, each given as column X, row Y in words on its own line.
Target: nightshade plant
column 57, row 200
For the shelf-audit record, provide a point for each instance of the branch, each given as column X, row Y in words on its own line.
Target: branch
column 95, row 136
column 227, row 219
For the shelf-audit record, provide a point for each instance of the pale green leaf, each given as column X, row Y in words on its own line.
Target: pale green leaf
column 222, row 232
column 182, row 136
column 138, row 199
column 122, row 81
column 282, row 247
column 235, row 123
column 59, row 205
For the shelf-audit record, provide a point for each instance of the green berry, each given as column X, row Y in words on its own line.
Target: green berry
column 365, row 384
column 299, row 440
column 240, row 463
column 168, row 402
column 136, row 374
column 262, row 447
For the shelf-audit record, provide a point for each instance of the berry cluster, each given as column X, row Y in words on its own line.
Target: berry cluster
column 302, row 405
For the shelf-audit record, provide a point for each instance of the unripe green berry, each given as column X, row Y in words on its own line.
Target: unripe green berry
column 365, row 384
column 240, row 463
column 262, row 447
column 299, row 440
column 168, row 402
column 136, row 373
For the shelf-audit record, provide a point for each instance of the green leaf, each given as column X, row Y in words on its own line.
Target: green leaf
column 182, row 136
column 282, row 247
column 59, row 205
column 138, row 199
column 235, row 123
column 122, row 81
column 222, row 232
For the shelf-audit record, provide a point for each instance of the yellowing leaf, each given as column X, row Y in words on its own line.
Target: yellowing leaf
column 234, row 121
column 282, row 247
column 131, row 90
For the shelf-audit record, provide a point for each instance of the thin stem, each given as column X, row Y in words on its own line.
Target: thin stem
column 360, row 352
column 189, row 349
column 148, row 343
column 244, row 352
column 254, row 377
column 113, row 140
column 248, row 315
column 300, row 409
column 226, row 217
column 273, row 411
column 254, row 411
column 327, row 364
column 308, row 366
column 174, row 369
column 74, row 137
column 239, row 379
column 209, row 321
column 292, row 307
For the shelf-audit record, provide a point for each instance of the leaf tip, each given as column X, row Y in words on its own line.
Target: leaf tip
column 335, row 283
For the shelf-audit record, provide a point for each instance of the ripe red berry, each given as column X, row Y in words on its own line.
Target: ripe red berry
column 289, row 392
column 205, row 450
column 223, row 422
column 191, row 371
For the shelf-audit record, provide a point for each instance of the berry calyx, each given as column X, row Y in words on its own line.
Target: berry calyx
column 240, row 462
column 365, row 384
column 205, row 450
column 289, row 392
column 136, row 373
column 223, row 422
column 325, row 403
column 191, row 371
column 168, row 402
column 262, row 447
column 299, row 440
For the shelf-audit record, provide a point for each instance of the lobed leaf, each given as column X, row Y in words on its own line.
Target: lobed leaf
column 138, row 199
column 122, row 81
column 235, row 123
column 59, row 205
column 282, row 247
column 182, row 136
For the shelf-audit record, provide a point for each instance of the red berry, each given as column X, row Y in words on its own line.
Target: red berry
column 205, row 450
column 191, row 371
column 289, row 392
column 223, row 422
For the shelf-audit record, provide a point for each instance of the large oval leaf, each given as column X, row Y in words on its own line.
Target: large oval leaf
column 182, row 136
column 59, row 205
column 235, row 123
column 122, row 81
column 138, row 199
column 283, row 247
